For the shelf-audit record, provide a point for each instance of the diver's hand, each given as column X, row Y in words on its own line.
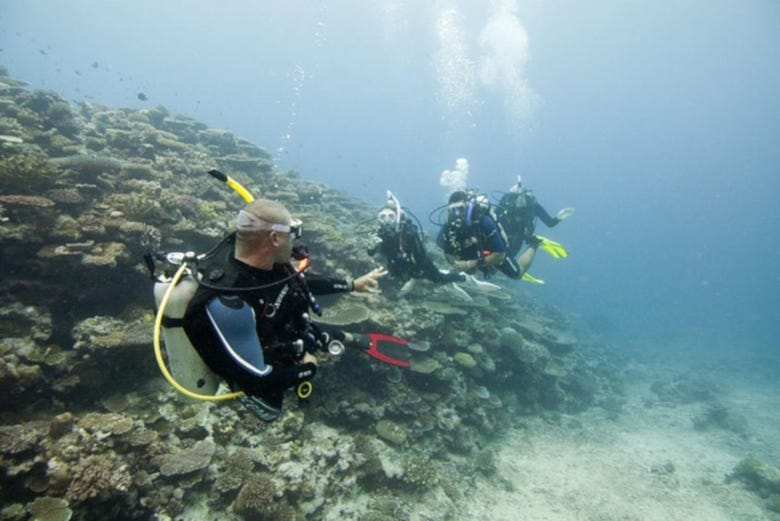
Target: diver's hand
column 374, row 241
column 564, row 214
column 309, row 358
column 368, row 283
column 465, row 266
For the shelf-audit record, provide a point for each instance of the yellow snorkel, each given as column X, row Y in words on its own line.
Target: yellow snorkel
column 232, row 183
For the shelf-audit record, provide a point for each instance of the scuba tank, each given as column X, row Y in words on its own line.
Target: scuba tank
column 477, row 205
column 186, row 365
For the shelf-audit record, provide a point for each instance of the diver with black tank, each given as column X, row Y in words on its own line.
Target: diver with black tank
column 399, row 240
column 517, row 212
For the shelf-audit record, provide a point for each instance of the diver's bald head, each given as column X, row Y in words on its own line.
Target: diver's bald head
column 269, row 211
column 257, row 242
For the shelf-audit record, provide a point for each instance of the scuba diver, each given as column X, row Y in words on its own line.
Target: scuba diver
column 248, row 313
column 517, row 212
column 399, row 241
column 471, row 237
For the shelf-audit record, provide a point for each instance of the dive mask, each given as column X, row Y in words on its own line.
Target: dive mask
column 386, row 217
column 250, row 222
column 457, row 210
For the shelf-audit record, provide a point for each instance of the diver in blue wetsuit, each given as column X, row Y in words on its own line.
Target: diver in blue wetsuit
column 249, row 319
column 472, row 238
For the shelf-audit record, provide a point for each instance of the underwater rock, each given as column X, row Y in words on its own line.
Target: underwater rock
column 344, row 315
column 555, row 368
column 683, row 391
column 464, row 360
column 475, row 349
column 481, row 392
column 391, row 432
column 444, row 309
column 717, row 415
column 109, row 423
column 531, row 353
column 759, row 477
column 509, row 338
column 485, row 362
column 188, row 460
column 424, row 365
column 559, row 342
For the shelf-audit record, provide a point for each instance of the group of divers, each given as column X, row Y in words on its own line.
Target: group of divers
column 242, row 313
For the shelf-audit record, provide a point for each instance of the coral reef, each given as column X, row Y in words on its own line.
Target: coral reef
column 89, row 429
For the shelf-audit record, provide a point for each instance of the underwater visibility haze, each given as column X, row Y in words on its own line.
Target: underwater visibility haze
column 658, row 121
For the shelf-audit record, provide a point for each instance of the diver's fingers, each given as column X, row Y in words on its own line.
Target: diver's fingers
column 379, row 273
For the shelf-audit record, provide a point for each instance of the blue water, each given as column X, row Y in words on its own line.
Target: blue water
column 658, row 121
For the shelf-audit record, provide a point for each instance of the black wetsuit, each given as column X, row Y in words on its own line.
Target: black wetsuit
column 225, row 333
column 406, row 256
column 517, row 213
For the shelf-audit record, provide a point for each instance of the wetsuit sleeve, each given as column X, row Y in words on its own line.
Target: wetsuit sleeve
column 424, row 263
column 507, row 202
column 376, row 243
column 326, row 285
column 234, row 323
column 494, row 239
column 545, row 217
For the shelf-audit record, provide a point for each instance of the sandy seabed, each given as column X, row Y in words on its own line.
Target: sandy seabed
column 647, row 462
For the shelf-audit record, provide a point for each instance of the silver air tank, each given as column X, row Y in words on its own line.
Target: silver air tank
column 185, row 364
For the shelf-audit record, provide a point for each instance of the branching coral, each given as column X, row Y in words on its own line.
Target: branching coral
column 98, row 477
column 27, row 174
column 257, row 501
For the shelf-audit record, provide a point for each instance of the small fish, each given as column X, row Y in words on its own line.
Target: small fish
column 95, row 65
column 42, row 52
column 142, row 96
